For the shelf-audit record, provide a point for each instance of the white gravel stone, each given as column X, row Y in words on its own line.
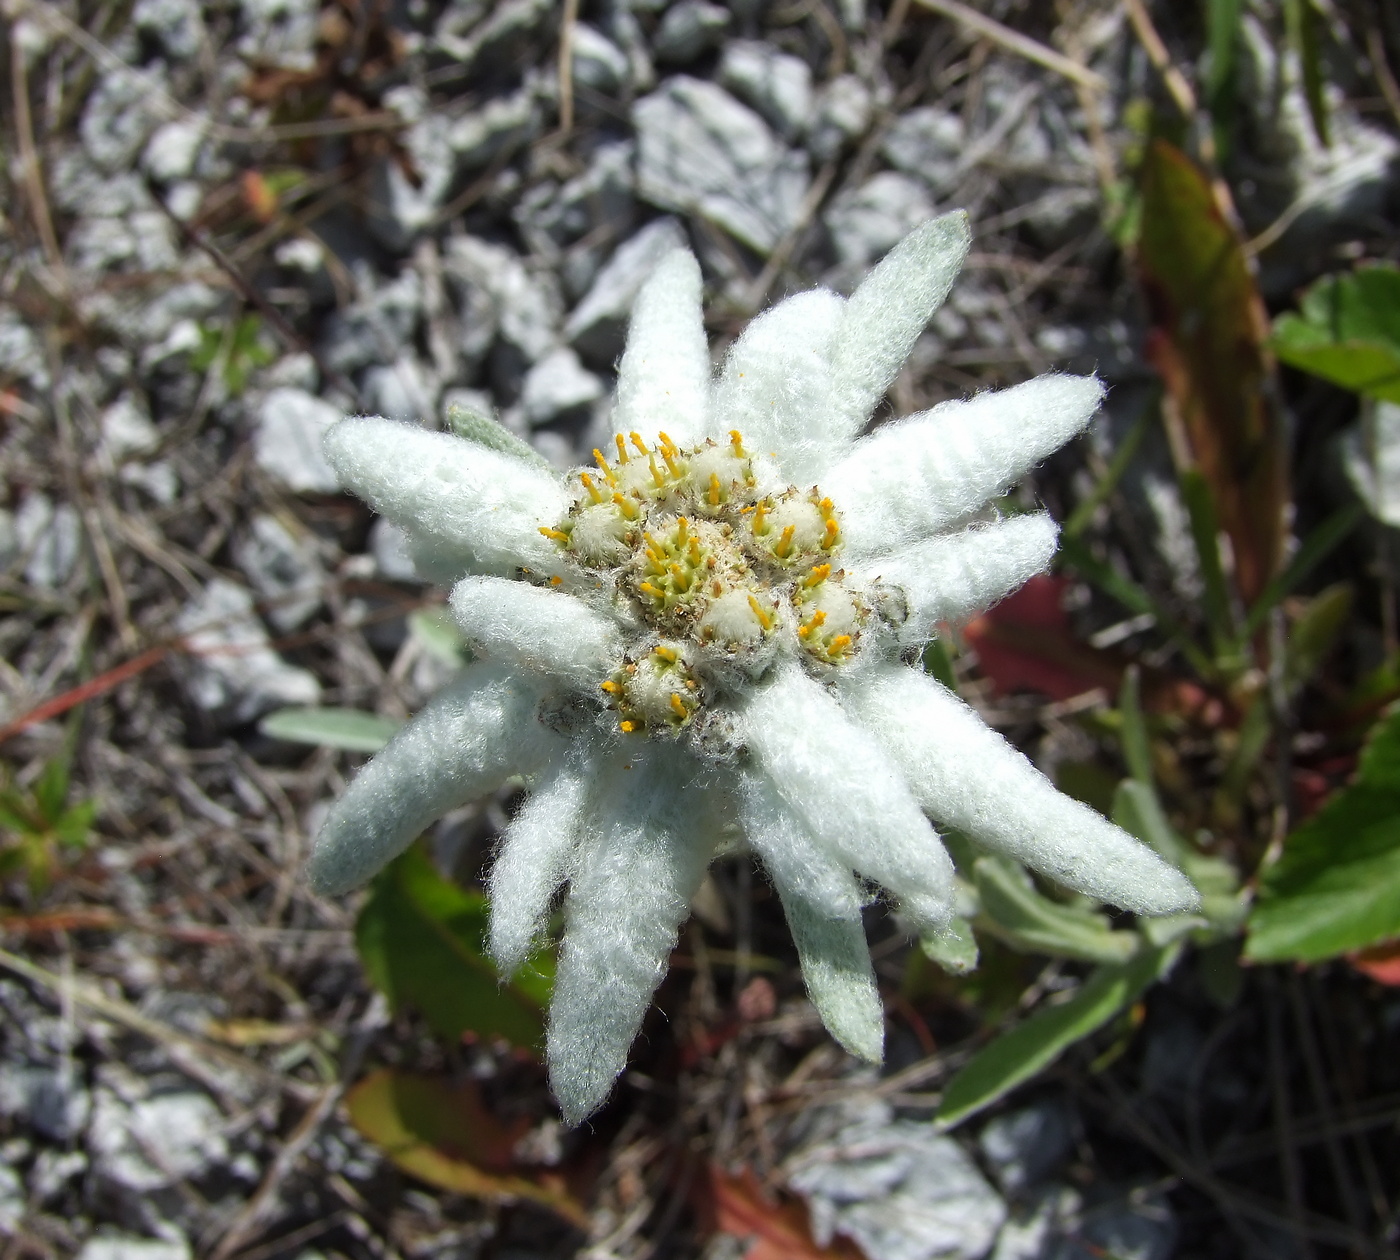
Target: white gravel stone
column 1023, row 1148
column 287, row 442
column 234, row 675
column 9, row 540
column 701, row 152
column 284, row 569
column 126, row 1247
column 597, row 324
column 866, row 222
column 527, row 305
column 401, row 208
column 689, row 30
column 280, row 33
column 842, row 114
column 50, row 540
column 927, row 143
column 120, row 114
column 176, row 25
column 388, row 544
column 21, row 354
column 51, row 1100
column 502, row 124
column 558, row 383
column 776, row 84
column 376, row 327
column 171, row 152
column 155, row 1142
column 12, row 1204
column 598, row 62
column 405, row 389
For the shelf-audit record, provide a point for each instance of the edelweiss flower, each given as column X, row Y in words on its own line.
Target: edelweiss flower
column 712, row 638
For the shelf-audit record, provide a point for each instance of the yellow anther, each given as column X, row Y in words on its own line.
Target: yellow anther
column 838, row 645
column 588, row 484
column 678, row 706
column 826, row 505
column 648, row 589
column 667, row 654
column 806, row 628
column 714, row 492
column 666, row 442
column 608, row 475
column 765, row 618
column 817, row 576
column 832, row 529
column 555, row 579
column 669, row 453
column 783, row 548
column 682, row 578
column 610, row 687
column 558, row 535
column 716, row 588
column 682, row 525
column 694, row 553
column 622, row 456
column 638, row 443
column 736, row 440
column 759, row 513
column 625, row 506
column 691, row 684
column 626, row 727
column 656, row 474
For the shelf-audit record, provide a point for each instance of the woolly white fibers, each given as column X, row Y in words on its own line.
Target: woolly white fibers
column 705, row 629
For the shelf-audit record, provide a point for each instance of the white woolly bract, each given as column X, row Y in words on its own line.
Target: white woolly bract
column 537, row 629
column 536, row 852
column 839, row 976
column 642, row 853
column 952, row 576
column 839, row 782
column 886, row 314
column 469, row 500
column 466, row 742
column 914, row 477
column 776, row 386
column 664, row 377
column 967, row 776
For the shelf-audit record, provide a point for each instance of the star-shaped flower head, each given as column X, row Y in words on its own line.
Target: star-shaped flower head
column 709, row 633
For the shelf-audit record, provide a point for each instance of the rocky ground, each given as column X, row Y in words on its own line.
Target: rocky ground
column 228, row 224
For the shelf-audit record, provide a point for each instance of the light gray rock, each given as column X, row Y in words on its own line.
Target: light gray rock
column 598, row 62
column 927, row 143
column 279, row 33
column 125, row 1247
column 688, row 30
column 405, row 389
column 557, row 384
column 9, row 540
column 12, row 1204
column 284, row 569
column 53, row 1101
column 21, row 354
column 463, row 38
column 53, row 1170
column 1023, row 1148
column 841, row 114
column 172, row 150
column 866, row 222
column 898, row 1189
column 626, row 31
column 126, row 429
column 501, row 125
column 776, row 84
column 526, row 306
column 155, row 1142
column 400, row 207
column 393, row 560
column 176, row 25
column 50, row 540
column 376, row 327
column 234, row 675
column 552, row 216
column 287, row 441
column 598, row 323
column 701, row 152
column 120, row 114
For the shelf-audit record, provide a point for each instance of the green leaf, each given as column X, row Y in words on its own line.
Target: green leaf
column 1223, row 19
column 1137, row 746
column 1316, row 547
column 1336, row 886
column 938, row 664
column 493, row 435
column 440, row 1132
column 1205, row 533
column 51, row 789
column 1020, row 1054
column 74, row 825
column 350, row 730
column 439, row 634
column 1348, row 331
column 423, row 942
column 1018, row 914
column 1314, row 634
column 954, row 950
column 1083, row 513
column 1305, row 25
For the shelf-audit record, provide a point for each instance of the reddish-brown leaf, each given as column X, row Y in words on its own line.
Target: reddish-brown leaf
column 1380, row 962
column 777, row 1229
column 1208, row 343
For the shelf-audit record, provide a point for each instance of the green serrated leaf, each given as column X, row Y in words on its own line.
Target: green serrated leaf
column 1348, row 331
column 1014, row 911
column 423, row 942
column 1033, row 1045
column 1336, row 886
column 350, row 730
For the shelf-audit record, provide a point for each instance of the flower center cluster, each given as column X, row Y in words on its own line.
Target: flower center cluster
column 722, row 572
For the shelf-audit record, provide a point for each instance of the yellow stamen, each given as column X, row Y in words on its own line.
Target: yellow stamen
column 648, row 589
column 736, row 440
column 832, row 529
column 622, row 456
column 667, row 443
column 826, row 505
column 608, row 475
column 678, row 706
column 638, row 443
column 694, row 555
column 625, row 506
column 682, row 525
column 765, row 618
column 760, row 512
column 714, row 492
column 669, row 453
column 667, row 654
column 817, row 576
column 806, row 628
column 593, row 492
column 838, row 645
column 558, row 535
column 691, row 684
column 627, row 727
column 610, row 687
column 783, row 549
column 656, row 474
